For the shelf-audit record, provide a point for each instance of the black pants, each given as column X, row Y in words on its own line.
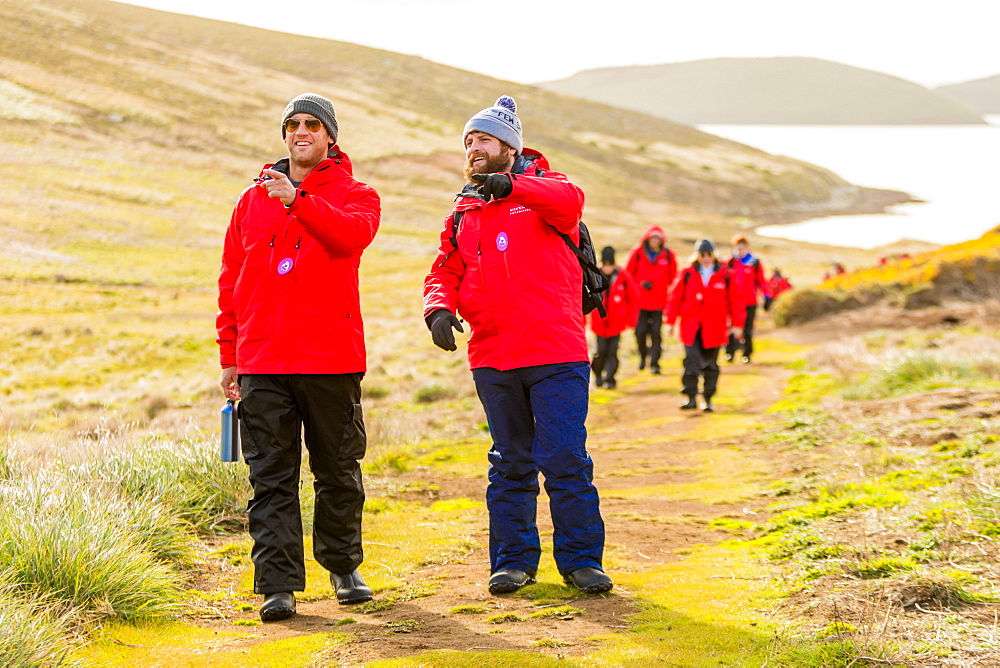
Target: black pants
column 649, row 325
column 605, row 362
column 700, row 362
column 273, row 411
column 747, row 345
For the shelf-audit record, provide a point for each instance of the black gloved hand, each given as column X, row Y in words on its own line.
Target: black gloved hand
column 442, row 320
column 494, row 186
column 767, row 303
column 647, row 285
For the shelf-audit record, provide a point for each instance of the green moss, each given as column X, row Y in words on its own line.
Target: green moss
column 504, row 618
column 469, row 610
column 560, row 611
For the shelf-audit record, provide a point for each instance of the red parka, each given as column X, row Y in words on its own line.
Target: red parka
column 749, row 278
column 513, row 278
column 778, row 284
column 657, row 273
column 621, row 302
column 288, row 291
column 712, row 308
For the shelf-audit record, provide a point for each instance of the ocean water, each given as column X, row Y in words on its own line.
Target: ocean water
column 954, row 169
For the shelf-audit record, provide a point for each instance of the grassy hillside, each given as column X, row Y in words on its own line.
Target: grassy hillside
column 129, row 133
column 806, row 91
column 981, row 94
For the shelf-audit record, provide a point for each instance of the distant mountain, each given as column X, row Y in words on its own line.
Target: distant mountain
column 794, row 91
column 981, row 94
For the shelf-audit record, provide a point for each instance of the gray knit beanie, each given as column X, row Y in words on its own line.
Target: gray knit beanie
column 500, row 120
column 316, row 105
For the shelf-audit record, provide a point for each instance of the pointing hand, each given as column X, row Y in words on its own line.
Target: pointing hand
column 494, row 186
column 279, row 186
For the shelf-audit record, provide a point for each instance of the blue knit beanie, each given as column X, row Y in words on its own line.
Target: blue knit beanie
column 500, row 120
column 314, row 105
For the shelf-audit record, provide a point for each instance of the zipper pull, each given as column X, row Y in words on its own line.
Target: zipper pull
column 272, row 241
column 298, row 243
column 479, row 249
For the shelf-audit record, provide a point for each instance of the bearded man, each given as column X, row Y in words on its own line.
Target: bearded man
column 503, row 266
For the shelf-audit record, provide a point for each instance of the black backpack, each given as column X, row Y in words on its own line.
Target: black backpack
column 594, row 281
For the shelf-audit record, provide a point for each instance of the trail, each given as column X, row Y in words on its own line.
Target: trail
column 663, row 474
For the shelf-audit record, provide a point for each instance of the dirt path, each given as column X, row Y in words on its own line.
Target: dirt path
column 657, row 498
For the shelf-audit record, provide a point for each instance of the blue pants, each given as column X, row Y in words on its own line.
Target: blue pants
column 536, row 417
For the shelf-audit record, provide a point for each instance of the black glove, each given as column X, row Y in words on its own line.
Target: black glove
column 495, row 186
column 647, row 285
column 767, row 303
column 442, row 320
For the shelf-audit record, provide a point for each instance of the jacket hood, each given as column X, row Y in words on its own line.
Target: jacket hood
column 651, row 230
column 337, row 164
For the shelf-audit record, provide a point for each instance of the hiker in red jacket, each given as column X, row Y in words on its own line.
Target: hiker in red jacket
column 706, row 301
column 777, row 284
column 503, row 267
column 621, row 303
column 748, row 276
column 653, row 267
column 293, row 352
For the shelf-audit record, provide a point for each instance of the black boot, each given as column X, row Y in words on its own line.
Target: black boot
column 277, row 606
column 690, row 405
column 350, row 588
column 589, row 580
column 508, row 580
column 708, row 405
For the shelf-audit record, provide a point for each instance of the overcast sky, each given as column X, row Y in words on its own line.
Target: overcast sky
column 528, row 41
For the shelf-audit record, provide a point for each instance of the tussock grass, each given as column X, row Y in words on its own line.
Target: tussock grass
column 185, row 478
column 75, row 544
column 31, row 632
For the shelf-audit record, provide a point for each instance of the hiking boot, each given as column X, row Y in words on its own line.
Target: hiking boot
column 708, row 407
column 642, row 363
column 589, row 580
column 277, row 606
column 655, row 370
column 690, row 405
column 611, row 384
column 508, row 580
column 350, row 588
column 729, row 358
column 745, row 359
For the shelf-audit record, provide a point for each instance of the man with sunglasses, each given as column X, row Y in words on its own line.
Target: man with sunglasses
column 292, row 350
column 503, row 266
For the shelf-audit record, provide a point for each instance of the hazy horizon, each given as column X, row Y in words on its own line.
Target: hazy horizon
column 890, row 36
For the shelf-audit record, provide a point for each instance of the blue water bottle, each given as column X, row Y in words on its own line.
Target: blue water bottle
column 230, row 441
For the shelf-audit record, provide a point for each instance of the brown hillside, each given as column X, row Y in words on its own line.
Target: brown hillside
column 131, row 132
column 804, row 91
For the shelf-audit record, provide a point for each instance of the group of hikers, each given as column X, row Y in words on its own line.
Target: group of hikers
column 715, row 302
column 292, row 346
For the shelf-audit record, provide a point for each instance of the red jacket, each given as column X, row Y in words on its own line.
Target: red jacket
column 621, row 302
column 513, row 278
column 288, row 291
column 658, row 273
column 713, row 308
column 778, row 284
column 749, row 280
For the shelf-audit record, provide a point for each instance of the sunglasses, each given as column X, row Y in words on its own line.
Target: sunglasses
column 312, row 125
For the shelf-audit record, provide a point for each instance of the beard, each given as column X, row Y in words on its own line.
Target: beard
column 492, row 165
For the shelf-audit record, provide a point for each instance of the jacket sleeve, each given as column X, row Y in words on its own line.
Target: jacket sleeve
column 676, row 298
column 737, row 311
column 557, row 201
column 761, row 283
column 445, row 278
column 632, row 265
column 233, row 256
column 342, row 232
column 633, row 300
column 672, row 267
